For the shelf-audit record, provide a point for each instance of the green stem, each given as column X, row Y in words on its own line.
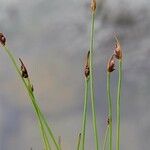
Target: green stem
column 84, row 114
column 118, row 106
column 35, row 105
column 105, row 137
column 79, row 141
column 92, row 85
column 45, row 138
column 110, row 110
column 59, row 142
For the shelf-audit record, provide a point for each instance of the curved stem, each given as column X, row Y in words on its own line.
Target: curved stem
column 34, row 103
column 92, row 85
column 84, row 114
column 118, row 106
column 110, row 110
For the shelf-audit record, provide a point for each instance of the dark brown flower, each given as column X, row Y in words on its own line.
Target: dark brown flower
column 118, row 50
column 111, row 64
column 2, row 39
column 87, row 68
column 24, row 72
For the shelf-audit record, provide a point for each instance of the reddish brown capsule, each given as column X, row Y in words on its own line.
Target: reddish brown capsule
column 24, row 72
column 118, row 50
column 2, row 39
column 93, row 5
column 87, row 68
column 111, row 64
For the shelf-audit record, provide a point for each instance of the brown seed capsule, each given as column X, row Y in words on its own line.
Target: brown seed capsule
column 24, row 72
column 118, row 50
column 111, row 64
column 87, row 68
column 2, row 39
column 93, row 5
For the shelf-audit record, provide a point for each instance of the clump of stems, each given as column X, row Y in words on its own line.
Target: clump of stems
column 23, row 74
column 46, row 132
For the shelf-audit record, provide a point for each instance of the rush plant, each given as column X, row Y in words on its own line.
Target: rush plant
column 49, row 140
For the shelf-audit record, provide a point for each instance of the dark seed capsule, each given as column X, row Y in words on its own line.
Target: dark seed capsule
column 87, row 68
column 2, row 39
column 111, row 64
column 24, row 72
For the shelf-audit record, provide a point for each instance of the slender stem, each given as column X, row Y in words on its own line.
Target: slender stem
column 31, row 95
column 105, row 137
column 110, row 110
column 92, row 85
column 84, row 114
column 79, row 141
column 46, row 141
column 118, row 106
column 59, row 142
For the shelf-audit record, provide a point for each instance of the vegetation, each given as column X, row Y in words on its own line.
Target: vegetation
column 46, row 132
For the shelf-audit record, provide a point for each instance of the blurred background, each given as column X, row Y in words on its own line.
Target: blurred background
column 52, row 38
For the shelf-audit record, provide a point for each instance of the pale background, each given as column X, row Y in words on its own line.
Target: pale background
column 52, row 38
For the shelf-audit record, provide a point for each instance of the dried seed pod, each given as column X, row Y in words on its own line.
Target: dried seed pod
column 93, row 5
column 111, row 64
column 87, row 68
column 2, row 39
column 24, row 72
column 118, row 50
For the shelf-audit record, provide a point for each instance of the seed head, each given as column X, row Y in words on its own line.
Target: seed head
column 118, row 50
column 2, row 39
column 93, row 5
column 111, row 64
column 87, row 68
column 24, row 72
